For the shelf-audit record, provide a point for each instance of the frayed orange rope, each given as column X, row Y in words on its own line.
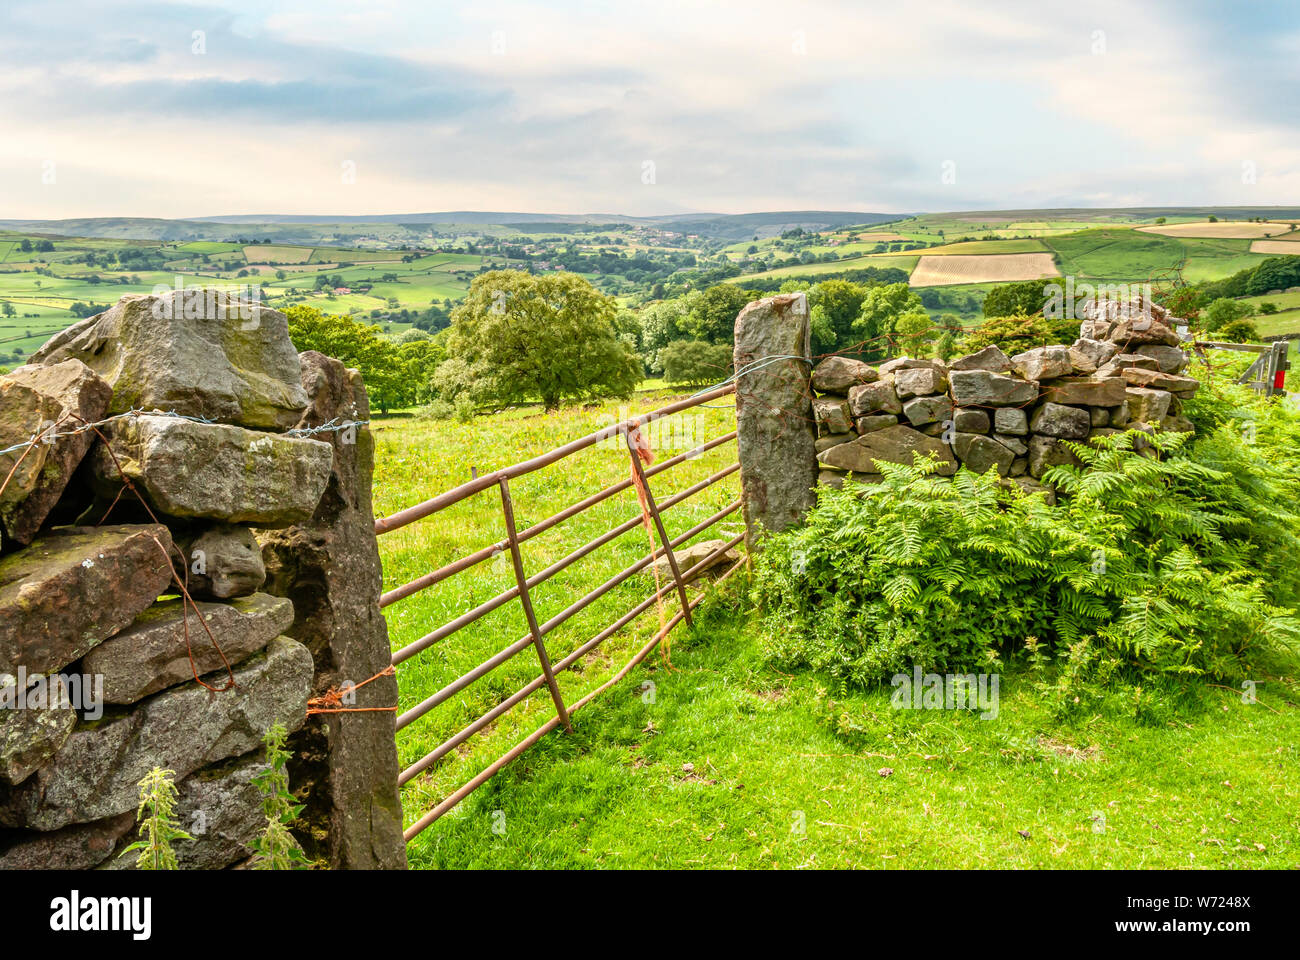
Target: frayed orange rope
column 331, row 701
column 642, row 447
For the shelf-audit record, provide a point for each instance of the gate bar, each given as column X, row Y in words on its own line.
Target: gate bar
column 508, row 508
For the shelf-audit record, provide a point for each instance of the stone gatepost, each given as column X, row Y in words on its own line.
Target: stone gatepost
column 774, row 417
column 344, row 763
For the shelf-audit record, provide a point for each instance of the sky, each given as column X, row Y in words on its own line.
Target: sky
column 169, row 109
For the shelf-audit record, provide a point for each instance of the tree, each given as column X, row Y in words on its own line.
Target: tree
column 1239, row 331
column 1222, row 312
column 915, row 331
column 713, row 314
column 841, row 303
column 1010, row 299
column 1267, row 307
column 695, row 364
column 8, row 309
column 355, row 344
column 881, row 308
column 551, row 337
column 1275, row 273
column 1013, row 334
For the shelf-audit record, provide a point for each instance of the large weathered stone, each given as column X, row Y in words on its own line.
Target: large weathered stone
column 1057, row 420
column 216, row 471
column 979, row 453
column 971, row 421
column 1155, row 380
column 152, row 654
column 221, row 808
column 77, row 847
column 875, row 421
column 1012, row 443
column 1087, row 355
column 919, row 382
column 925, row 410
column 1170, row 359
column 774, row 415
column 832, row 415
column 979, row 388
column 329, row 567
column 1045, row 452
column 193, row 353
column 1116, row 365
column 895, row 444
column 912, row 363
column 837, row 374
column 1148, row 406
column 1127, row 322
column 991, row 358
column 1012, row 420
column 834, row 439
column 74, row 587
column 34, row 724
column 1042, row 363
column 1086, row 391
column 34, row 399
column 690, row 555
column 878, row 397
column 224, row 561
column 97, row 772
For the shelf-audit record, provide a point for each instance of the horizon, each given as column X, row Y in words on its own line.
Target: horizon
column 660, row 111
column 314, row 218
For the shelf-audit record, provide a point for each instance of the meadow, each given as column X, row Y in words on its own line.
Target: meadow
column 722, row 760
column 408, row 474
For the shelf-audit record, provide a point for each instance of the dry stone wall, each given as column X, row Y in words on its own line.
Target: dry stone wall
column 986, row 411
column 989, row 411
column 208, row 469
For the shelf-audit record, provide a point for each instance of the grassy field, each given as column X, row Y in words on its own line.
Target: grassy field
column 727, row 762
column 408, row 474
column 1002, row 268
column 735, row 765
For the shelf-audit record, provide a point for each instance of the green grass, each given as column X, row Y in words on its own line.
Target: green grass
column 417, row 459
column 732, row 757
column 729, row 755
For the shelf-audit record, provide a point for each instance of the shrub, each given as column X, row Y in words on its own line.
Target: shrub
column 1239, row 331
column 692, row 363
column 1019, row 332
column 1179, row 563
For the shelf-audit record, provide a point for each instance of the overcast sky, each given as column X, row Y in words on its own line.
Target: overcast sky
column 387, row 106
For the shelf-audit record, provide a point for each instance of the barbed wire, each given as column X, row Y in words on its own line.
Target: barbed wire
column 45, row 436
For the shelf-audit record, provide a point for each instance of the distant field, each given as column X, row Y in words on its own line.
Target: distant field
column 209, row 246
column 934, row 271
column 263, row 253
column 352, row 255
column 981, row 247
column 903, row 261
column 1232, row 229
column 1290, row 246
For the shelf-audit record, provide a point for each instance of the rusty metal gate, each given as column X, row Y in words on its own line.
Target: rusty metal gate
column 650, row 516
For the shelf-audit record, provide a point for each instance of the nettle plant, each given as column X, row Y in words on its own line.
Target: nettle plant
column 1180, row 559
column 158, row 825
column 276, row 848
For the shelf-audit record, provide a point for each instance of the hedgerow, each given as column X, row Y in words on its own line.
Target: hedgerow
column 1180, row 559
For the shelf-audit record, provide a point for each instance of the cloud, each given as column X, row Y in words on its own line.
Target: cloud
column 559, row 107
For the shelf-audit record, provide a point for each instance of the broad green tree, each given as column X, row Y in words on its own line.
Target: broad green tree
column 881, row 308
column 551, row 338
